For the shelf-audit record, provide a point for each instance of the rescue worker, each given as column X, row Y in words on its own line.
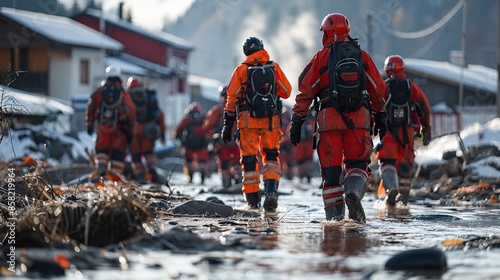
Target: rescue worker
column 286, row 148
column 396, row 152
column 302, row 156
column 194, row 142
column 344, row 119
column 227, row 154
column 149, row 126
column 257, row 134
column 111, row 107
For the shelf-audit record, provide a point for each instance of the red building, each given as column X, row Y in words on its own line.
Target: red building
column 166, row 50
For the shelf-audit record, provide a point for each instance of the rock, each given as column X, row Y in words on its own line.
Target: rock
column 174, row 239
column 424, row 260
column 198, row 207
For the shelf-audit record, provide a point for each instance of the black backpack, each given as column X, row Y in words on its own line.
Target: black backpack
column 193, row 136
column 146, row 104
column 261, row 97
column 347, row 89
column 398, row 106
column 110, row 105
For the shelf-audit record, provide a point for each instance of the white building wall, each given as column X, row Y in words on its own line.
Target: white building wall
column 64, row 78
column 176, row 103
column 96, row 70
column 60, row 77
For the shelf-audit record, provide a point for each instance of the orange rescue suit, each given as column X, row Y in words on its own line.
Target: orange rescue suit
column 257, row 134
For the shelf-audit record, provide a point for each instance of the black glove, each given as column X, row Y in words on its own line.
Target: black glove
column 296, row 129
column 229, row 119
column 380, row 125
column 427, row 137
column 90, row 131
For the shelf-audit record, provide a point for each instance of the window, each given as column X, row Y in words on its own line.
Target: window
column 84, row 71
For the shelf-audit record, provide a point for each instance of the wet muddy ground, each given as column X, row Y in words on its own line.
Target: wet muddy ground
column 296, row 243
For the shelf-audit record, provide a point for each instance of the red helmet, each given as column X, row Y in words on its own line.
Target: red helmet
column 335, row 25
column 394, row 64
column 133, row 82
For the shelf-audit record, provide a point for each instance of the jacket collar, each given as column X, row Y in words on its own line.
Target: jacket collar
column 258, row 57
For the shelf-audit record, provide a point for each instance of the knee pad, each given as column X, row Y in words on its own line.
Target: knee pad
column 224, row 164
column 136, row 157
column 405, row 170
column 117, row 155
column 249, row 162
column 387, row 161
column 352, row 164
column 331, row 175
column 271, row 154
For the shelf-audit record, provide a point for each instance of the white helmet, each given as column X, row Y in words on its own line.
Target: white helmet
column 113, row 71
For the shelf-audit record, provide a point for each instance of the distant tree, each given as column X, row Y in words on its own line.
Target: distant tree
column 75, row 9
column 93, row 5
column 129, row 16
column 51, row 7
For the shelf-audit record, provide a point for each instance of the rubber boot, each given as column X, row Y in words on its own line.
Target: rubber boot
column 335, row 212
column 391, row 184
column 354, row 191
column 271, row 192
column 253, row 200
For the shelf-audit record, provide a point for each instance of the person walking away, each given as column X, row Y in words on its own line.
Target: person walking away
column 350, row 89
column 112, row 109
column 302, row 156
column 227, row 154
column 149, row 126
column 194, row 142
column 254, row 99
column 286, row 148
column 395, row 153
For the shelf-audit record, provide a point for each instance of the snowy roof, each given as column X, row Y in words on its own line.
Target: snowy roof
column 474, row 76
column 160, row 69
column 33, row 104
column 209, row 87
column 163, row 37
column 61, row 29
column 125, row 66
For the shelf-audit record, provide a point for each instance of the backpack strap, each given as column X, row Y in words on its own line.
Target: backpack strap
column 394, row 129
column 242, row 104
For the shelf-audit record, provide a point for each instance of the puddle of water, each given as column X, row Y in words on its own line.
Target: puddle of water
column 299, row 244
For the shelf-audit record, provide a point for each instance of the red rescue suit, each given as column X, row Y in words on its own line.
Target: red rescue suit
column 339, row 147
